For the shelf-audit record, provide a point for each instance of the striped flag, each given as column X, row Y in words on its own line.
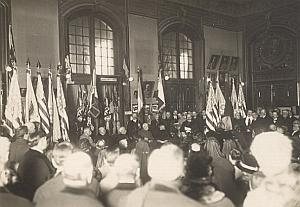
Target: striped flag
column 220, row 99
column 50, row 97
column 233, row 99
column 140, row 98
column 53, row 111
column 41, row 100
column 61, row 105
column 31, row 105
column 160, row 92
column 13, row 109
column 241, row 102
column 212, row 115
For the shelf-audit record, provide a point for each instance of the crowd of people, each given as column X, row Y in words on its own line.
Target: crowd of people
column 172, row 159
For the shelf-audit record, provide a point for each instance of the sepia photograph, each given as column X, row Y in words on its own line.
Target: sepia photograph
column 149, row 103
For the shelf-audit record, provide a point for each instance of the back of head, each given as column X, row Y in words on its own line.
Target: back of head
column 273, row 152
column 198, row 165
column 60, row 152
column 126, row 165
column 166, row 163
column 213, row 148
column 77, row 170
column 20, row 132
column 34, row 138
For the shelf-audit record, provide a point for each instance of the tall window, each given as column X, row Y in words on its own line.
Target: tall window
column 177, row 52
column 91, row 45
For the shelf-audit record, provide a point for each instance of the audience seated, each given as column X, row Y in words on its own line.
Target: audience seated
column 204, row 168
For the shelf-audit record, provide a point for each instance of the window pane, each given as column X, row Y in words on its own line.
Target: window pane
column 79, row 36
column 72, row 39
column 80, row 41
column 86, row 41
column 186, row 58
column 71, row 30
column 72, row 48
column 104, row 48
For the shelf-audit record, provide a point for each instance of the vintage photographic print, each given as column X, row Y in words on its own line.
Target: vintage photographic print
column 150, row 103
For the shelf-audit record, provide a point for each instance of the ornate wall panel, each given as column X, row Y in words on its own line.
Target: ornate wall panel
column 274, row 56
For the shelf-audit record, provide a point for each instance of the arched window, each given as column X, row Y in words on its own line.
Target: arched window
column 177, row 51
column 91, row 45
column 178, row 69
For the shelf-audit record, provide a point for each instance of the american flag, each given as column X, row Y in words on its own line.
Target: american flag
column 53, row 111
column 41, row 100
column 212, row 115
column 61, row 105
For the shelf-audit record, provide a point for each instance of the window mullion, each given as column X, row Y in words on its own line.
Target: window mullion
column 92, row 43
column 177, row 56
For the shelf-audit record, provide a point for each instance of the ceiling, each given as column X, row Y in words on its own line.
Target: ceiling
column 236, row 8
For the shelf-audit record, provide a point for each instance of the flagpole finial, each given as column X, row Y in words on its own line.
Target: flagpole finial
column 28, row 63
column 38, row 65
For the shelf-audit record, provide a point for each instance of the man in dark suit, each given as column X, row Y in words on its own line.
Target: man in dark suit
column 133, row 126
column 264, row 121
column 35, row 168
column 277, row 120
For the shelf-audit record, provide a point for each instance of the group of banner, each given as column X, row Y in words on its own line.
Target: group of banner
column 50, row 114
column 216, row 105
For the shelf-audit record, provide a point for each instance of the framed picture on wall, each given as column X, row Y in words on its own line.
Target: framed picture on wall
column 233, row 63
column 213, row 62
column 148, row 87
column 224, row 63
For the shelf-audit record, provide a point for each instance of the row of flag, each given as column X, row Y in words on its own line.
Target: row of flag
column 216, row 104
column 51, row 113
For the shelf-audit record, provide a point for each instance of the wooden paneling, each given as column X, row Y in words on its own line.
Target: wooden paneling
column 180, row 96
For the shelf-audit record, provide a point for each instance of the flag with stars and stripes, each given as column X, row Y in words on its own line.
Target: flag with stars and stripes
column 212, row 115
column 43, row 109
column 53, row 111
column 61, row 105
